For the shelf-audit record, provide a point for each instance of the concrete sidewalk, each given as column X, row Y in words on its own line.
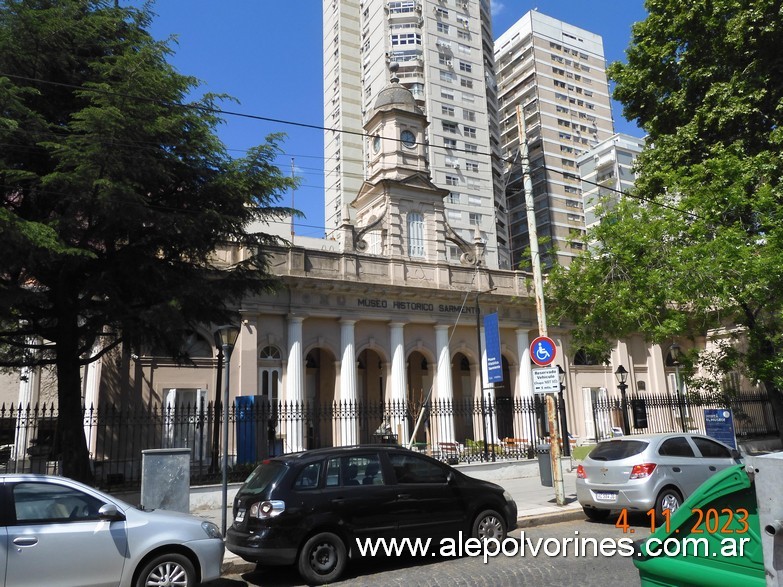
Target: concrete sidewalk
column 536, row 503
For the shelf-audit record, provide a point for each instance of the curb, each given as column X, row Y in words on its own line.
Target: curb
column 569, row 515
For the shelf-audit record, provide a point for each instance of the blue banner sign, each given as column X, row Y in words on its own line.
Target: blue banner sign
column 494, row 361
column 719, row 425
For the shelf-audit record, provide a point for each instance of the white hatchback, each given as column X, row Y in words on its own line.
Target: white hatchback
column 57, row 532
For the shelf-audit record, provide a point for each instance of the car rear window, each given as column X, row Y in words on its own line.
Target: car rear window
column 615, row 450
column 264, row 476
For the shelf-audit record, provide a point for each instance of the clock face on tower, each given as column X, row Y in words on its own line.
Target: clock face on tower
column 376, row 144
column 408, row 138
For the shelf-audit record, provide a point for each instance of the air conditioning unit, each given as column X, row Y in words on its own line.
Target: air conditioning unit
column 448, row 63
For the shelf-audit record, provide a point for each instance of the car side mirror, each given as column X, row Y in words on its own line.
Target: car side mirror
column 110, row 513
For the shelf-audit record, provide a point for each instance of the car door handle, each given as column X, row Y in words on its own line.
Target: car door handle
column 338, row 501
column 403, row 496
column 713, row 468
column 26, row 541
column 676, row 469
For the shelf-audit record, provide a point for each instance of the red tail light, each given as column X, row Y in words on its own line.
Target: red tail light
column 580, row 472
column 641, row 471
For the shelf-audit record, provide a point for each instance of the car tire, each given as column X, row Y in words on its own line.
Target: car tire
column 489, row 524
column 322, row 559
column 168, row 569
column 668, row 499
column 595, row 514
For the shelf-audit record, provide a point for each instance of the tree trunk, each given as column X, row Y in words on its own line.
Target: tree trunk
column 71, row 444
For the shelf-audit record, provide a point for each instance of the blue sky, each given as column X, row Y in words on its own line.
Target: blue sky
column 267, row 55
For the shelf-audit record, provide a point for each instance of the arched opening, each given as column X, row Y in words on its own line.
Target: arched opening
column 319, row 397
column 464, row 403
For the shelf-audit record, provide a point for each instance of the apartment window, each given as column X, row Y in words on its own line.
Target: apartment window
column 474, row 200
column 468, row 98
column 450, row 143
column 573, row 204
column 471, row 148
column 415, row 234
column 441, row 12
column 452, row 180
column 464, row 49
column 462, row 21
column 450, row 127
column 453, row 198
column 471, row 166
column 469, row 131
column 455, row 215
column 469, row 115
column 406, row 39
column 446, row 95
column 559, row 84
column 403, row 6
column 447, row 110
column 475, row 219
column 466, row 67
column 452, row 162
column 443, row 28
column 466, row 83
column 448, row 76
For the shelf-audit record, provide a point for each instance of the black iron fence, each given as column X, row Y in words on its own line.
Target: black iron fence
column 649, row 413
column 457, row 430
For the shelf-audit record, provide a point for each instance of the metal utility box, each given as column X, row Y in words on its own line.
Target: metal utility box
column 165, row 479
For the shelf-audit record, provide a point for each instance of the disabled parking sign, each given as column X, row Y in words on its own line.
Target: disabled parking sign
column 543, row 351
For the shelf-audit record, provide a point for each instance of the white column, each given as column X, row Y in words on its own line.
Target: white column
column 399, row 386
column 294, row 392
column 29, row 387
column 525, row 427
column 348, row 420
column 443, row 428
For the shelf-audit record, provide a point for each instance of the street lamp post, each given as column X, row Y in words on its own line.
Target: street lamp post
column 225, row 339
column 622, row 377
column 675, row 352
column 563, row 420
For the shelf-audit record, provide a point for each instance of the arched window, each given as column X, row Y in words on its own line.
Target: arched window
column 582, row 357
column 270, row 370
column 415, row 234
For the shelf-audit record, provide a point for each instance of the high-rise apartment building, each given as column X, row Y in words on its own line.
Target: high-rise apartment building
column 554, row 74
column 607, row 172
column 442, row 51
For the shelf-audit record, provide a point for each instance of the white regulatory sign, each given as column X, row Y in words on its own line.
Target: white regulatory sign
column 546, row 380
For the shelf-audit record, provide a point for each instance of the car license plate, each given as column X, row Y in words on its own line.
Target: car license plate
column 605, row 496
column 240, row 516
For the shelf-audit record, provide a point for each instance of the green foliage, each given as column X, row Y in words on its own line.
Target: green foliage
column 115, row 192
column 698, row 244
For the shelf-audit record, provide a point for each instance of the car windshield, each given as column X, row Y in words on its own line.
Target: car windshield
column 615, row 450
column 264, row 476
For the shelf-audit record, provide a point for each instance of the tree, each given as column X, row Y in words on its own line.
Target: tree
column 698, row 244
column 116, row 196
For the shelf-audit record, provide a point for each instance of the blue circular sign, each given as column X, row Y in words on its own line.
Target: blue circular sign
column 543, row 351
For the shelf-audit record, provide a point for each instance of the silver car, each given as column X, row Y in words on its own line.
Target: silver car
column 57, row 532
column 643, row 472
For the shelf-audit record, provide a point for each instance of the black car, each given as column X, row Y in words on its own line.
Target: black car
column 309, row 508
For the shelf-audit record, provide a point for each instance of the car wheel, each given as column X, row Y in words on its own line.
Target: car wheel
column 322, row 558
column 595, row 514
column 489, row 524
column 171, row 569
column 668, row 499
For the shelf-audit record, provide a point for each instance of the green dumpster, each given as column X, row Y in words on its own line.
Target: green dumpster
column 713, row 539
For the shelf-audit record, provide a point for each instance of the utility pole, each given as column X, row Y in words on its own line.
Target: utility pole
column 538, row 282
